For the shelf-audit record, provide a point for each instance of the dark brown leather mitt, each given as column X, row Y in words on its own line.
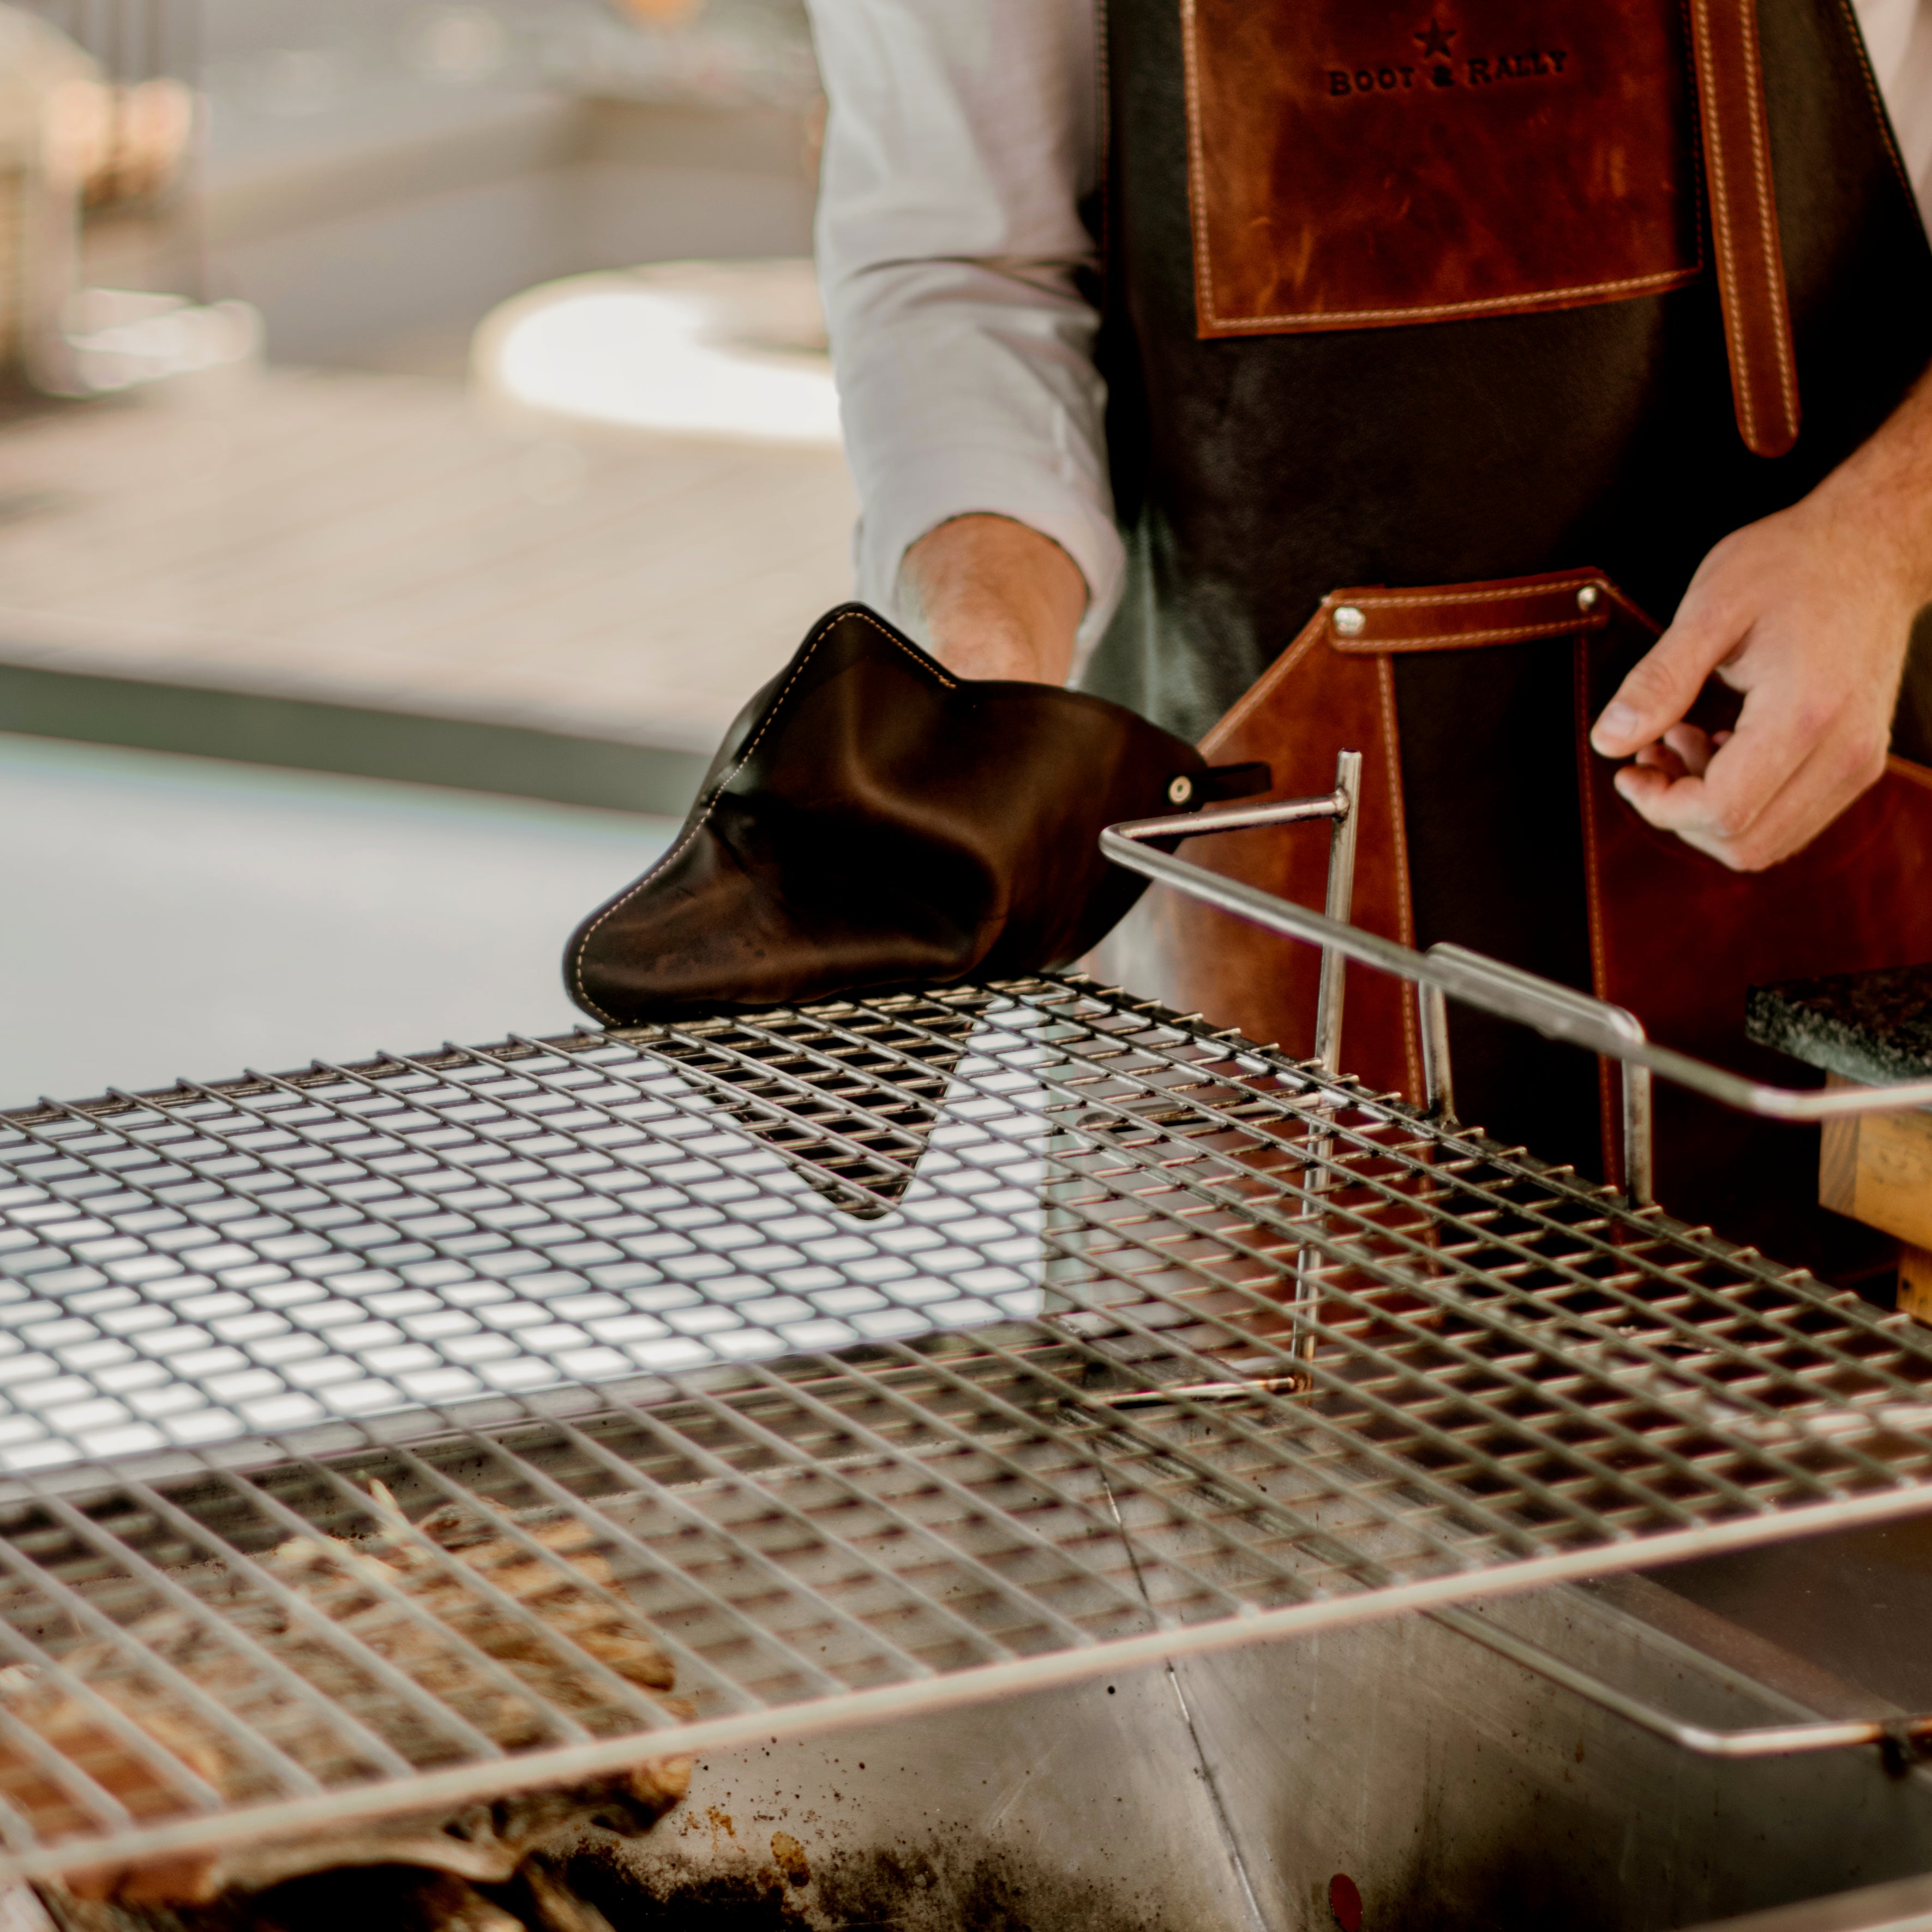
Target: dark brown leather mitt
column 872, row 821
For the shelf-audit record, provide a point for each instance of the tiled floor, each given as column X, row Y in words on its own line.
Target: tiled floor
column 385, row 540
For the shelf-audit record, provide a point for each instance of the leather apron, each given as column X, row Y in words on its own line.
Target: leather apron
column 1433, row 298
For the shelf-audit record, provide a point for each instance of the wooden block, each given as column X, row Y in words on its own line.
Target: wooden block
column 1892, row 1181
column 1878, row 1169
column 1838, row 1158
column 1914, row 1282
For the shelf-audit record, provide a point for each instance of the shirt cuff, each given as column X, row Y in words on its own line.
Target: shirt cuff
column 910, row 499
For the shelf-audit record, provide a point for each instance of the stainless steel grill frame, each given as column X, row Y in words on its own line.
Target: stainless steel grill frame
column 987, row 1373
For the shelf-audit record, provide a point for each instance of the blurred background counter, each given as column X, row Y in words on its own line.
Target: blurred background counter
column 407, row 396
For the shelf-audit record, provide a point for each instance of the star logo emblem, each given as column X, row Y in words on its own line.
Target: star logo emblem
column 1435, row 40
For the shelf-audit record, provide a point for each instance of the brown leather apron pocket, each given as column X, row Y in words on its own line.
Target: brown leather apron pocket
column 1353, row 164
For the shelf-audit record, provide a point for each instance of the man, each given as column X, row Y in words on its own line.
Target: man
column 1080, row 456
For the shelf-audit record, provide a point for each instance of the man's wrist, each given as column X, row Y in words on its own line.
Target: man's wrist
column 1877, row 504
column 994, row 598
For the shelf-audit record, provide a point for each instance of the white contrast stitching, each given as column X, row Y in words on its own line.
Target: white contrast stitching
column 1600, row 971
column 698, row 824
column 1721, row 223
column 1381, row 599
column 1774, row 260
column 1197, row 171
column 1451, row 641
column 1668, row 278
column 1405, row 911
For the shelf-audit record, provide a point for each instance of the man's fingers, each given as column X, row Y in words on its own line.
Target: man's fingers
column 1739, row 778
column 1683, row 751
column 1823, row 785
column 1670, row 802
column 1664, row 683
column 1691, row 746
column 1793, row 820
column 1777, row 741
column 1722, row 799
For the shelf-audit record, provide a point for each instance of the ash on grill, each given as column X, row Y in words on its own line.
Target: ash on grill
column 483, row 1869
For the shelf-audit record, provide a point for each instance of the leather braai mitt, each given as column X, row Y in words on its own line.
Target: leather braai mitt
column 872, row 821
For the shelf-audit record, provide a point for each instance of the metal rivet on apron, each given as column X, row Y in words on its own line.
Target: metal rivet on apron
column 1348, row 621
column 1181, row 791
column 1586, row 597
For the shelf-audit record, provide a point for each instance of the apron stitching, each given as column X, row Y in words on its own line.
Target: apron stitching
column 1721, row 223
column 1405, row 913
column 1197, row 177
column 1547, row 587
column 1767, row 221
column 1600, row 964
column 1662, row 279
column 1700, row 187
column 1550, row 627
column 1599, row 971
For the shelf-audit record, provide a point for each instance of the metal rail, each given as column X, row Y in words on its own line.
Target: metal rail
column 1448, row 972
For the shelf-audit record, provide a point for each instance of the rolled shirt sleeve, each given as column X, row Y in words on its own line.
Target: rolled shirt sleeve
column 962, row 138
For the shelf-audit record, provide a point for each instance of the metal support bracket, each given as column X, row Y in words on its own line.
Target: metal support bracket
column 1454, row 973
column 1340, row 808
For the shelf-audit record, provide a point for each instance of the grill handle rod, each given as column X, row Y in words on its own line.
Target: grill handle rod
column 1903, row 1740
column 1447, row 972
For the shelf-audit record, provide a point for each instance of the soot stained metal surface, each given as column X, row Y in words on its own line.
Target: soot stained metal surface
column 879, row 1355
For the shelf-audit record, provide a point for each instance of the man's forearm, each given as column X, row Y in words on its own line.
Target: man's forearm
column 1883, row 491
column 995, row 599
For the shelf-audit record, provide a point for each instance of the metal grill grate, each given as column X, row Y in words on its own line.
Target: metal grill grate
column 878, row 1355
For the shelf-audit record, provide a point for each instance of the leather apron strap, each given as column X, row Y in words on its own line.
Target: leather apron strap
column 1744, row 223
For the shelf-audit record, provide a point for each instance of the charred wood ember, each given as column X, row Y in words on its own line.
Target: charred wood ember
column 426, row 1597
column 500, row 1867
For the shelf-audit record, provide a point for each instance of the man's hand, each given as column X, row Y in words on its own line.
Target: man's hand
column 995, row 599
column 1808, row 614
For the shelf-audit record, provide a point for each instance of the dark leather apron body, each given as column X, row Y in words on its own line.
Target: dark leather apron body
column 1283, row 420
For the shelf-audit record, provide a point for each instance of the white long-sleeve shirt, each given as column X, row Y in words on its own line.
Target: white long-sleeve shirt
column 962, row 138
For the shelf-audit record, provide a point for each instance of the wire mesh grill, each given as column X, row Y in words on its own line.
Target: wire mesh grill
column 372, row 1430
